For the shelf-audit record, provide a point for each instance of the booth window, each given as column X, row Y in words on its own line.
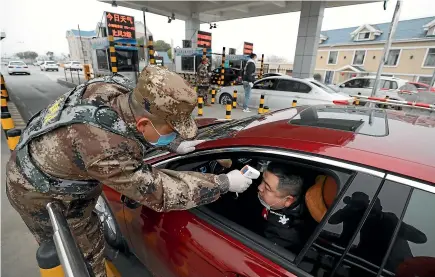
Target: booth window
column 187, row 63
column 127, row 60
column 102, row 60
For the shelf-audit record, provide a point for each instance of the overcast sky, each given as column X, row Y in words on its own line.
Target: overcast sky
column 29, row 25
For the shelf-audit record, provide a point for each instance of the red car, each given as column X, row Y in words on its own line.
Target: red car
column 375, row 214
column 423, row 86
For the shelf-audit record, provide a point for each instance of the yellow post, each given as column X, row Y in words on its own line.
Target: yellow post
column 261, row 67
column 356, row 101
column 235, row 99
column 228, row 111
column 87, row 72
column 4, row 91
column 7, row 122
column 48, row 260
column 260, row 107
column 4, row 105
column 13, row 138
column 294, row 103
column 113, row 60
column 265, row 109
column 213, row 96
column 111, row 269
column 151, row 50
column 200, row 105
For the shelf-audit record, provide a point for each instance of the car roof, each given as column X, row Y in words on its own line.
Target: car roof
column 16, row 62
column 382, row 77
column 403, row 144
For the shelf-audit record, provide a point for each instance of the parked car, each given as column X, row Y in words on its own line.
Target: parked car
column 73, row 65
column 423, row 86
column 390, row 86
column 265, row 75
column 280, row 91
column 49, row 65
column 372, row 208
column 15, row 67
column 230, row 75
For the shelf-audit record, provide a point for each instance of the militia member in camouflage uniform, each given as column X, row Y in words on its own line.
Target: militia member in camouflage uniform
column 98, row 133
column 203, row 80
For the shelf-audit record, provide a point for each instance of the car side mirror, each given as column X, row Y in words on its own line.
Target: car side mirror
column 342, row 85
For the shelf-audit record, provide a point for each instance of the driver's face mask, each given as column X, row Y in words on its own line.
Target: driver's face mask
column 271, row 207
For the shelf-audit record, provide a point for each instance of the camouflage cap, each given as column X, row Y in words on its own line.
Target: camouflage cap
column 166, row 95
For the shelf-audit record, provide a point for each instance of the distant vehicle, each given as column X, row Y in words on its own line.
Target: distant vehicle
column 230, row 75
column 73, row 65
column 392, row 87
column 280, row 91
column 15, row 67
column 423, row 86
column 49, row 65
column 265, row 75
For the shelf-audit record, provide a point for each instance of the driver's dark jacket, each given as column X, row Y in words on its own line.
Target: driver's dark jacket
column 293, row 234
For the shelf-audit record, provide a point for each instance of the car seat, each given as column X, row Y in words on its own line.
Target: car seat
column 320, row 196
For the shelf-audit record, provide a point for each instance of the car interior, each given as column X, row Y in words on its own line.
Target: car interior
column 320, row 188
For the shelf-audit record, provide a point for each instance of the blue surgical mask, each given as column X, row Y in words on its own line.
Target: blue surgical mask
column 164, row 140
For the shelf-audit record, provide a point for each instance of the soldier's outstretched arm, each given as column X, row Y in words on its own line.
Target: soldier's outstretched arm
column 160, row 190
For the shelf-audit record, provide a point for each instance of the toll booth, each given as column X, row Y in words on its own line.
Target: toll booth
column 127, row 57
column 187, row 60
column 238, row 62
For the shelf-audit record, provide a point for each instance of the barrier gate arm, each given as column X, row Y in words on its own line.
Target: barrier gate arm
column 69, row 253
column 409, row 104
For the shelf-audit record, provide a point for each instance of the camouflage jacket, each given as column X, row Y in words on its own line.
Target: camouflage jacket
column 85, row 152
column 202, row 78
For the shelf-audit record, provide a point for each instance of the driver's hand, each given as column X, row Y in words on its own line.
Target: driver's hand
column 188, row 146
column 238, row 182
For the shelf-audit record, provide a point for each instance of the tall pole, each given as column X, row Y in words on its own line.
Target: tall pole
column 387, row 46
column 81, row 42
column 146, row 36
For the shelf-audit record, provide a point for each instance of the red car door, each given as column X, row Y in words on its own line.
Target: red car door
column 179, row 244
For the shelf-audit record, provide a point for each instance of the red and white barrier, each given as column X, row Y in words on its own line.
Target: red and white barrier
column 379, row 100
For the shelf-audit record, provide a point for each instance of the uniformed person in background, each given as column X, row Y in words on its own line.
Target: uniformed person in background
column 98, row 133
column 203, row 80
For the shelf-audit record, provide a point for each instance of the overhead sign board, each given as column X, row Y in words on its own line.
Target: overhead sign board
column 236, row 57
column 204, row 39
column 189, row 51
column 119, row 25
column 248, row 48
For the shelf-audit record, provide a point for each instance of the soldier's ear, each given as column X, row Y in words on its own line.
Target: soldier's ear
column 142, row 123
column 289, row 200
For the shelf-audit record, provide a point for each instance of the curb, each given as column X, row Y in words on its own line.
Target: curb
column 66, row 83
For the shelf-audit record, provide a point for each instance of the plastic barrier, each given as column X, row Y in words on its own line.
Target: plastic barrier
column 213, row 96
column 13, row 136
column 261, row 106
column 228, row 110
column 200, row 106
column 294, row 103
column 235, row 99
column 4, row 91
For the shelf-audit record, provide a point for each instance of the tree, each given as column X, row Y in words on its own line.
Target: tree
column 275, row 59
column 161, row 45
column 317, row 77
column 27, row 55
column 50, row 55
column 169, row 53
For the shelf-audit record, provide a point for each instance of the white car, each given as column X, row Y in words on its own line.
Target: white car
column 15, row 67
column 280, row 91
column 394, row 88
column 73, row 65
column 49, row 65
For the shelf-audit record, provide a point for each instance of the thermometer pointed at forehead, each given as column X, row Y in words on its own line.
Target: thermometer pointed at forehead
column 250, row 172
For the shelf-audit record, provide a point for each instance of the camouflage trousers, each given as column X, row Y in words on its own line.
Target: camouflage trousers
column 203, row 92
column 83, row 222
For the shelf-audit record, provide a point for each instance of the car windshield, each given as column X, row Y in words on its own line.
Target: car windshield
column 324, row 87
column 50, row 63
column 17, row 63
column 76, row 63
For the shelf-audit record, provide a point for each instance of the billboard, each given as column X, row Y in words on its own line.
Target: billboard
column 248, row 48
column 119, row 25
column 204, row 40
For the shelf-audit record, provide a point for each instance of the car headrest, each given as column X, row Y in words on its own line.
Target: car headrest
column 320, row 196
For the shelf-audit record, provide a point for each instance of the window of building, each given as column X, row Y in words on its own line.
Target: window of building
column 393, row 57
column 358, row 58
column 363, row 36
column 333, row 55
column 430, row 58
column 187, row 63
column 102, row 61
column 425, row 80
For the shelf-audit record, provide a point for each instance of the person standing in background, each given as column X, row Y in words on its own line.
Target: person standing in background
column 203, row 80
column 248, row 80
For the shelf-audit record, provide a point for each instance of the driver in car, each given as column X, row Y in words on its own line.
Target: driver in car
column 287, row 218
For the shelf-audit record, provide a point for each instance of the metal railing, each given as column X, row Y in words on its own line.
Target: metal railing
column 69, row 253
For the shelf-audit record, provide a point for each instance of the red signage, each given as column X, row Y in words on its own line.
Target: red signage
column 248, row 48
column 119, row 25
column 204, row 39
